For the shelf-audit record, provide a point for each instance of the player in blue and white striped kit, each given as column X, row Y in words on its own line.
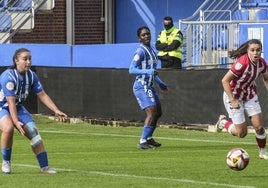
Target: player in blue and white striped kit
column 15, row 84
column 144, row 66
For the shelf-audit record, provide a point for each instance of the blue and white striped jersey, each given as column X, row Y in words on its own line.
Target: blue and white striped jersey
column 12, row 83
column 144, row 64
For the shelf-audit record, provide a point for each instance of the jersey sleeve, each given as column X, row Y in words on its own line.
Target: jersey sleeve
column 36, row 85
column 8, row 84
column 238, row 68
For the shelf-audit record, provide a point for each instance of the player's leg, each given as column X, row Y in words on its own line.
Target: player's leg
column 151, row 120
column 31, row 132
column 37, row 145
column 6, row 126
column 145, row 98
column 253, row 109
column 151, row 141
column 237, row 126
column 260, row 133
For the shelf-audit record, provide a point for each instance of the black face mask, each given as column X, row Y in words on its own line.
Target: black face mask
column 168, row 26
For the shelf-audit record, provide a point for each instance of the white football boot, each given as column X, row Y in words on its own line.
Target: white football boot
column 47, row 170
column 6, row 167
column 263, row 154
column 219, row 126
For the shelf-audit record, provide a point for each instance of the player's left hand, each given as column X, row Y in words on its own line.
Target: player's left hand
column 62, row 116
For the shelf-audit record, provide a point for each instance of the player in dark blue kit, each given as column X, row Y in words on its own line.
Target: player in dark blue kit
column 15, row 85
column 144, row 66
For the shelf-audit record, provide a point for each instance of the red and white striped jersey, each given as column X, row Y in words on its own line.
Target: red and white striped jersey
column 246, row 73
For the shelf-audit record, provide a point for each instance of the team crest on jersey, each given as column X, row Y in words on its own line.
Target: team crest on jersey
column 238, row 66
column 10, row 86
column 136, row 57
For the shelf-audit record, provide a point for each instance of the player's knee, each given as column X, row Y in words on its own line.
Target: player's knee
column 35, row 137
column 260, row 131
column 242, row 134
column 36, row 140
column 31, row 129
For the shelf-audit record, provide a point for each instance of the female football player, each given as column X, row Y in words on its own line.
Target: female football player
column 15, row 85
column 240, row 93
column 143, row 66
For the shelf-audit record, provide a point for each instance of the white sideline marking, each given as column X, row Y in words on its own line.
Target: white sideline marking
column 164, row 138
column 143, row 177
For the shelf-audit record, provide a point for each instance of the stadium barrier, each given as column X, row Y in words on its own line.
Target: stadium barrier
column 84, row 85
column 194, row 98
column 64, row 55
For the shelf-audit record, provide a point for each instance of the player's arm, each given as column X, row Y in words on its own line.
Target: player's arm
column 46, row 100
column 133, row 69
column 229, row 76
column 161, row 84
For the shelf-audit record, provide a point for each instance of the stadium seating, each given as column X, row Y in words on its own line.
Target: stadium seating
column 20, row 5
column 240, row 14
column 258, row 1
column 5, row 26
column 5, row 22
column 22, row 14
column 2, row 5
column 261, row 14
column 255, row 3
column 49, row 5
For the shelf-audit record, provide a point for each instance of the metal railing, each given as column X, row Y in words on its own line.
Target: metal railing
column 21, row 13
column 206, row 43
column 209, row 33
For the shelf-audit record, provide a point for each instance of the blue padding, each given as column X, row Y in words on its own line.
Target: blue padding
column 54, row 55
column 104, row 56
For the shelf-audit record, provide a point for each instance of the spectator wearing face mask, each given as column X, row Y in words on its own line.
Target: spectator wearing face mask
column 169, row 42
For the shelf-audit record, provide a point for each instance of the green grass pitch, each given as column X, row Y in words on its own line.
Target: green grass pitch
column 99, row 156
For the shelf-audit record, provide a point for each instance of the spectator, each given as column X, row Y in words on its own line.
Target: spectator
column 169, row 43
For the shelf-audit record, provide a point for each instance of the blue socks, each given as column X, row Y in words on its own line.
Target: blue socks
column 6, row 153
column 147, row 132
column 42, row 159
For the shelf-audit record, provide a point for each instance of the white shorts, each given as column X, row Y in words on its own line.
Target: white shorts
column 250, row 107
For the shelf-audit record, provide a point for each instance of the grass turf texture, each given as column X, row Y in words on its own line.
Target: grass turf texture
column 100, row 156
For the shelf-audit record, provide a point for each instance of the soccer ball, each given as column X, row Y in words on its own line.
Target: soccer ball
column 237, row 159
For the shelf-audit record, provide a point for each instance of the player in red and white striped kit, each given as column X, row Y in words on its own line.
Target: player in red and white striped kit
column 240, row 93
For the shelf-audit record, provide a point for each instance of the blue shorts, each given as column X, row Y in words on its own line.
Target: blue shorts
column 146, row 96
column 23, row 115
